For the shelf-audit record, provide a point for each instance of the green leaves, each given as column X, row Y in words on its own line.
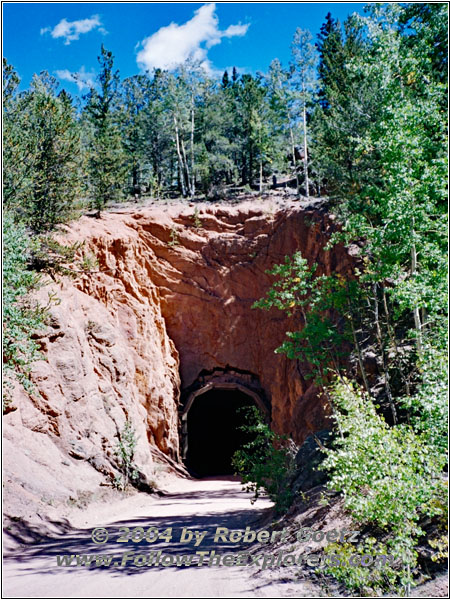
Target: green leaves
column 106, row 157
column 266, row 463
column 316, row 302
column 125, row 451
column 21, row 316
column 390, row 477
column 379, row 142
column 42, row 156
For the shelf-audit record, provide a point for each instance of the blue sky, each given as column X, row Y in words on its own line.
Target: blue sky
column 65, row 38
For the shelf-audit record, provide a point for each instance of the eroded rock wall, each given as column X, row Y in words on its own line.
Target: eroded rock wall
column 204, row 271
column 171, row 299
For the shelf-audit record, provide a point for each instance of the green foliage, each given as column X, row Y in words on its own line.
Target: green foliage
column 390, row 477
column 313, row 300
column 42, row 154
column 17, row 150
column 376, row 130
column 389, row 164
column 21, row 316
column 428, row 407
column 51, row 257
column 376, row 580
column 197, row 221
column 55, row 136
column 89, row 263
column 173, row 238
column 379, row 145
column 265, row 463
column 132, row 100
column 125, row 451
column 107, row 159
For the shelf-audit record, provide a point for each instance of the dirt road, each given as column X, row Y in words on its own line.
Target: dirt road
column 33, row 571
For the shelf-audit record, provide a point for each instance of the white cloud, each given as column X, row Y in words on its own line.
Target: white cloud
column 236, row 30
column 82, row 78
column 71, row 30
column 173, row 44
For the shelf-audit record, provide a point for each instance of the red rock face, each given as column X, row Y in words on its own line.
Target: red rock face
column 169, row 309
column 205, row 279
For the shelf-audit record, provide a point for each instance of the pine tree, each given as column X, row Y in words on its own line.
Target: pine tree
column 250, row 94
column 56, row 175
column 279, row 119
column 348, row 100
column 178, row 105
column 331, row 56
column 107, row 160
column 215, row 146
column 225, row 80
column 42, row 133
column 132, row 102
column 17, row 148
column 158, row 141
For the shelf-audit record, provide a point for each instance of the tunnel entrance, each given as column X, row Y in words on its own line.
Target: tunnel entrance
column 213, row 431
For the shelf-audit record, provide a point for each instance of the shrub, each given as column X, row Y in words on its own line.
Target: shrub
column 20, row 315
column 376, row 579
column 390, row 477
column 197, row 221
column 125, row 450
column 173, row 238
column 266, row 463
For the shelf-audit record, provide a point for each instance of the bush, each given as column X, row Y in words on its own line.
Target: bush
column 390, row 477
column 125, row 450
column 20, row 316
column 267, row 462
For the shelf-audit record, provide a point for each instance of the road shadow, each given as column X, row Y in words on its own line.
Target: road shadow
column 38, row 551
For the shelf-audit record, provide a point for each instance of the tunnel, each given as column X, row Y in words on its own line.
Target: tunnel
column 213, row 431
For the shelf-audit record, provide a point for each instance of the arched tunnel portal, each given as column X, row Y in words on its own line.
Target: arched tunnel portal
column 212, row 421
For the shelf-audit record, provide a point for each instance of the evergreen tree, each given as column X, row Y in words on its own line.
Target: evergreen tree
column 225, row 80
column 158, row 138
column 250, row 94
column 41, row 133
column 331, row 57
column 279, row 119
column 382, row 137
column 348, row 101
column 178, row 105
column 107, row 160
column 56, row 174
column 132, row 102
column 17, row 148
column 215, row 144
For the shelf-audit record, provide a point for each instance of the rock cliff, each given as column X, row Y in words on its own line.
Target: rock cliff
column 168, row 307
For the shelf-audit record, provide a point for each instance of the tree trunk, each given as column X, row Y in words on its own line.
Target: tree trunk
column 179, row 156
column 193, row 182
column 307, row 185
column 416, row 310
column 293, row 153
column 392, row 336
column 384, row 362
column 186, row 168
column 357, row 347
column 261, row 177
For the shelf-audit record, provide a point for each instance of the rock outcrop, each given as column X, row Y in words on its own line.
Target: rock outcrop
column 169, row 303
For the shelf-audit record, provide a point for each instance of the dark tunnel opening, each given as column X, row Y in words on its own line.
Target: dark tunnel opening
column 214, row 433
